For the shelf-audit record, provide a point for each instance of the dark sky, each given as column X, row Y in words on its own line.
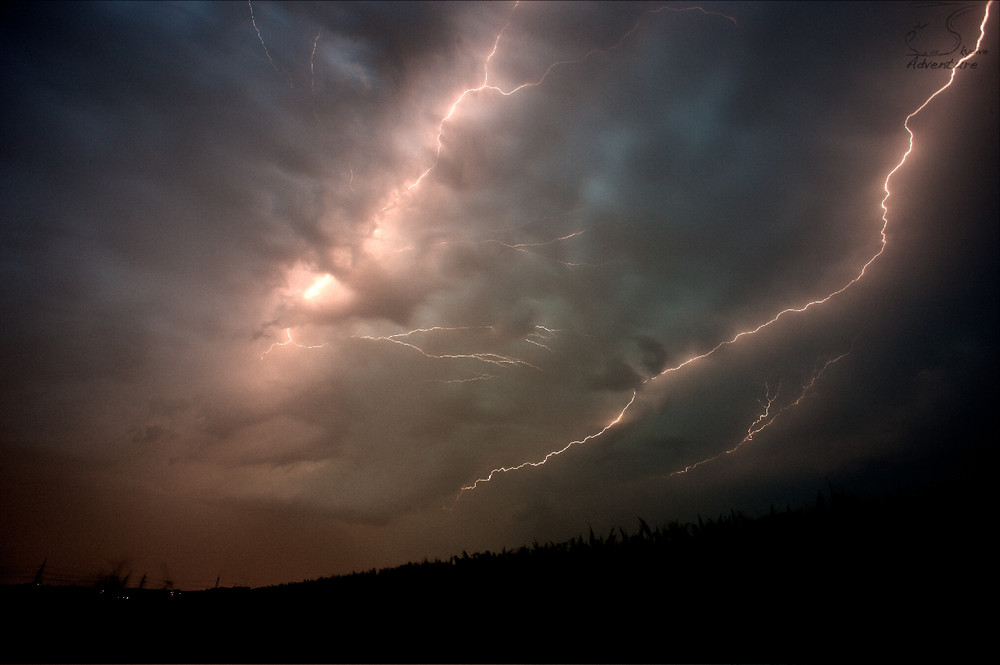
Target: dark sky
column 281, row 279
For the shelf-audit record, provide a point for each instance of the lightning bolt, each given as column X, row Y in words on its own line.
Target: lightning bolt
column 527, row 248
column 523, row 247
column 485, row 85
column 783, row 313
column 550, row 455
column 479, row 377
column 312, row 64
column 460, row 98
column 540, row 333
column 766, row 418
column 292, row 342
column 261, row 37
column 488, row 358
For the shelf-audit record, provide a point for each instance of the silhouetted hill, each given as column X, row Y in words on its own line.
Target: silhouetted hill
column 845, row 578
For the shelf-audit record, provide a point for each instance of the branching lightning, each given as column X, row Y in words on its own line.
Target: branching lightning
column 485, row 85
column 766, row 419
column 487, row 358
column 541, row 335
column 529, row 248
column 289, row 341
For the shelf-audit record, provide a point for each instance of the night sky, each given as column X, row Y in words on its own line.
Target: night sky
column 281, row 281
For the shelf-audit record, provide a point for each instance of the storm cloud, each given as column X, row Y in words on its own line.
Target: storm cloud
column 280, row 279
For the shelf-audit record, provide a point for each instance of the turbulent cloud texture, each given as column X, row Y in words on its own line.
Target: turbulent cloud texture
column 281, row 279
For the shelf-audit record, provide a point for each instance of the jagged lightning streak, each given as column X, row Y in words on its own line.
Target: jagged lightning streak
column 540, row 333
column 787, row 311
column 550, row 455
column 454, row 107
column 766, row 418
column 312, row 64
column 621, row 40
column 694, row 9
column 523, row 247
column 473, row 379
column 529, row 247
column 292, row 342
column 882, row 231
column 261, row 37
column 485, row 85
column 487, row 358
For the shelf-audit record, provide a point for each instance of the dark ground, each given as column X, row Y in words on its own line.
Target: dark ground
column 847, row 579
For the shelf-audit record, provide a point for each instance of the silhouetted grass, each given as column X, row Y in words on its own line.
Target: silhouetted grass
column 845, row 577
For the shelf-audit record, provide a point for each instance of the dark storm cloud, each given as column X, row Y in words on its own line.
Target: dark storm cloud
column 176, row 177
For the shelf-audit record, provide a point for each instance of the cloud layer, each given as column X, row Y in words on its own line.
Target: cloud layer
column 276, row 289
